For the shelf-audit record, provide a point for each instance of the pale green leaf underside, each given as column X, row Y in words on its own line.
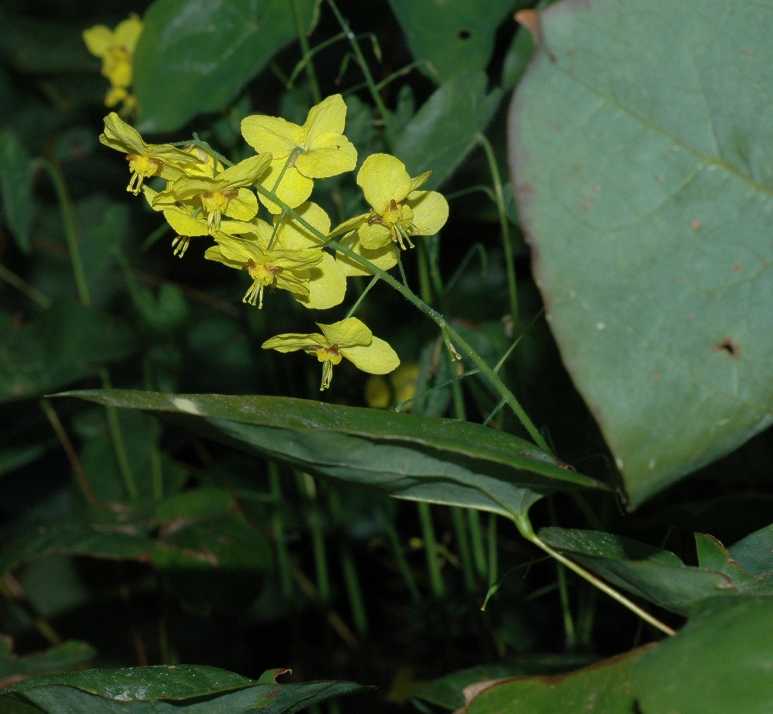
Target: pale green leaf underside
column 418, row 458
column 642, row 155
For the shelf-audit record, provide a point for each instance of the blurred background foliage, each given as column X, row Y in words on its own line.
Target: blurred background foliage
column 129, row 541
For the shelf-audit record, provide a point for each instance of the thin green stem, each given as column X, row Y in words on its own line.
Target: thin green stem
column 460, row 532
column 493, row 560
column 300, row 66
column 29, row 291
column 570, row 632
column 78, row 472
column 504, row 224
column 476, row 536
column 116, row 438
column 464, row 347
column 397, row 550
column 309, row 489
column 277, row 530
column 596, row 582
column 359, row 300
column 375, row 94
column 70, row 228
column 311, row 73
column 430, row 549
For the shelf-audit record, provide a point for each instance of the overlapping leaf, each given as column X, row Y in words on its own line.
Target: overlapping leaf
column 418, row 458
column 641, row 159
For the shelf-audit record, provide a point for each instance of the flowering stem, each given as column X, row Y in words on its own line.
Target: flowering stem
column 385, row 114
column 504, row 224
column 449, row 332
column 368, row 288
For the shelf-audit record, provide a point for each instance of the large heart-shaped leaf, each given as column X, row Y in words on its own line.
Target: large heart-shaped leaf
column 194, row 56
column 720, row 662
column 418, row 458
column 643, row 164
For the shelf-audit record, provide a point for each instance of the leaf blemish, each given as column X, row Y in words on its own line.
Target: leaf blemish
column 730, row 346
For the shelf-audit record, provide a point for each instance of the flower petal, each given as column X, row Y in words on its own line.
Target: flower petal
column 332, row 154
column 293, row 341
column 272, row 134
column 98, row 39
column 294, row 188
column 430, row 212
column 384, row 258
column 348, row 332
column 243, row 206
column 244, row 173
column 128, row 32
column 327, row 284
column 376, row 358
column 383, row 178
column 121, row 136
column 329, row 116
column 374, row 236
column 184, row 223
column 293, row 236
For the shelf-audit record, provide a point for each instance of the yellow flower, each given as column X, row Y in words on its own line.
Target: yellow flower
column 224, row 194
column 145, row 160
column 116, row 50
column 283, row 269
column 398, row 209
column 349, row 338
column 327, row 279
column 318, row 149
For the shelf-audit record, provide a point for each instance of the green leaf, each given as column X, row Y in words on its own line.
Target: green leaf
column 645, row 188
column 444, row 130
column 16, row 175
column 63, row 344
column 167, row 689
column 451, row 35
column 418, row 458
column 719, row 662
column 658, row 576
column 195, row 56
column 448, row 691
column 55, row 659
column 755, row 551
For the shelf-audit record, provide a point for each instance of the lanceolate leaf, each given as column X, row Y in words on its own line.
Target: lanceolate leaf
column 194, row 56
column 419, row 458
column 643, row 166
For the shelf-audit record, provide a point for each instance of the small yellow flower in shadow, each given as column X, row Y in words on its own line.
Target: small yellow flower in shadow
column 318, row 149
column 223, row 195
column 380, row 395
column 145, row 160
column 350, row 339
column 116, row 50
column 283, row 269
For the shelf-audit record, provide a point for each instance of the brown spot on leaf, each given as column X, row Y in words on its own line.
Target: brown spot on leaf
column 530, row 20
column 737, row 268
column 729, row 346
column 696, row 224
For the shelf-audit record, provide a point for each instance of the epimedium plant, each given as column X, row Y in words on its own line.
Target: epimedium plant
column 260, row 201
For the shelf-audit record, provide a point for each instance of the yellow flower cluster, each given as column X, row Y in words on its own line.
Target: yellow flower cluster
column 199, row 196
column 116, row 50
